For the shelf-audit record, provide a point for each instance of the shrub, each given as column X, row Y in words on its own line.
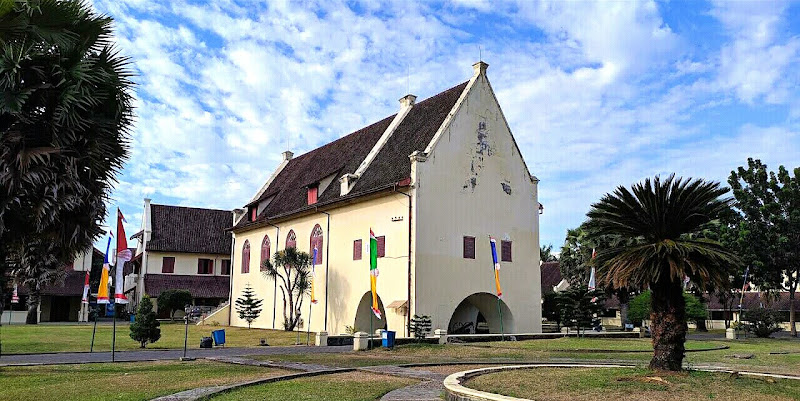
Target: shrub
column 761, row 322
column 146, row 328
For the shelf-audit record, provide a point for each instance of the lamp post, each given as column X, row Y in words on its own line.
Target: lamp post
column 186, row 311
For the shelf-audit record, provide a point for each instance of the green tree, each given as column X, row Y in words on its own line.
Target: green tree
column 248, row 306
column 546, row 254
column 762, row 322
column 659, row 215
column 550, row 308
column 145, row 328
column 292, row 269
column 65, row 115
column 580, row 306
column 640, row 308
column 420, row 326
column 174, row 300
column 769, row 204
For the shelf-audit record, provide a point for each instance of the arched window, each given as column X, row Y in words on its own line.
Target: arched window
column 316, row 241
column 291, row 240
column 264, row 252
column 246, row 257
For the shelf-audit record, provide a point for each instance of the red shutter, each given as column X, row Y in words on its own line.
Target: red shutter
column 312, row 195
column 168, row 264
column 381, row 246
column 201, row 266
column 469, row 247
column 253, row 213
column 357, row 247
column 505, row 250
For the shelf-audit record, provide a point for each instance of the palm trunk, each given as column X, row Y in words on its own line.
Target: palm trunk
column 34, row 297
column 668, row 326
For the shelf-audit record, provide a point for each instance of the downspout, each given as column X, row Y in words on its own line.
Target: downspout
column 327, row 259
column 275, row 289
column 230, row 275
column 408, row 300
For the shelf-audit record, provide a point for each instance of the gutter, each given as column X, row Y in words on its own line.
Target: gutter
column 230, row 275
column 275, row 289
column 327, row 259
column 408, row 294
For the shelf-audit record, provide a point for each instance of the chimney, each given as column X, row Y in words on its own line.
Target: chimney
column 408, row 100
column 479, row 68
column 287, row 155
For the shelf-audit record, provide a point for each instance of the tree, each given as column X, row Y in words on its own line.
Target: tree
column 640, row 307
column 659, row 214
column 145, row 328
column 65, row 115
column 420, row 326
column 550, row 308
column 291, row 268
column 248, row 306
column 580, row 306
column 769, row 204
column 762, row 322
column 546, row 254
column 174, row 300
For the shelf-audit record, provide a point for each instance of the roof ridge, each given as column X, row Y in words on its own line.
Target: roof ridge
column 191, row 207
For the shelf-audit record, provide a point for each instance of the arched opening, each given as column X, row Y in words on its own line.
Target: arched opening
column 364, row 314
column 291, row 240
column 316, row 243
column 246, row 257
column 480, row 313
column 265, row 247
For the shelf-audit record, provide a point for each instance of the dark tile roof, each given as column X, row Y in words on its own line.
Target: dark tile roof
column 551, row 276
column 752, row 300
column 191, row 230
column 344, row 155
column 72, row 286
column 199, row 286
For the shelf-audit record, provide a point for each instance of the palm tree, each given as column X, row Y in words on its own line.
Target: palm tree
column 292, row 270
column 546, row 254
column 661, row 216
column 65, row 115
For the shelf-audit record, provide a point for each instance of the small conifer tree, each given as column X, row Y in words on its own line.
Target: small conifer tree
column 420, row 326
column 248, row 306
column 145, row 329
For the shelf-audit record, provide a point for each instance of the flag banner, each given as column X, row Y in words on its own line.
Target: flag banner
column 493, row 244
column 15, row 295
column 85, row 298
column 373, row 272
column 102, row 290
column 592, row 280
column 744, row 286
column 123, row 255
column 313, row 275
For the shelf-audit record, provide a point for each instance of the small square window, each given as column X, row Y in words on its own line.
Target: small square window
column 381, row 246
column 469, row 247
column 312, row 194
column 205, row 266
column 357, row 248
column 505, row 251
column 168, row 264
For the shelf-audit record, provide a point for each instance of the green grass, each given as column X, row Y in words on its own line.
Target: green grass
column 120, row 381
column 355, row 386
column 26, row 339
column 621, row 383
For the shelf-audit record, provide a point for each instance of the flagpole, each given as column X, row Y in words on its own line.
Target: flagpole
column 114, row 333
column 502, row 331
column 308, row 329
column 369, row 339
column 94, row 330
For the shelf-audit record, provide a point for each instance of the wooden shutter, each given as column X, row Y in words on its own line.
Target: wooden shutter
column 505, row 251
column 253, row 213
column 168, row 264
column 225, row 268
column 357, row 247
column 469, row 247
column 312, row 195
column 381, row 246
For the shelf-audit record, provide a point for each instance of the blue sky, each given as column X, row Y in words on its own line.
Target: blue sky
column 597, row 94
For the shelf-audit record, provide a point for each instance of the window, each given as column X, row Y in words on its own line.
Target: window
column 253, row 213
column 357, row 247
column 225, row 267
column 381, row 246
column 205, row 266
column 246, row 257
column 312, row 194
column 316, row 242
column 291, row 240
column 265, row 245
column 505, row 251
column 469, row 247
column 168, row 264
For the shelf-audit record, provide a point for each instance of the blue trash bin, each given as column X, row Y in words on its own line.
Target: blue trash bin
column 133, row 318
column 219, row 337
column 387, row 338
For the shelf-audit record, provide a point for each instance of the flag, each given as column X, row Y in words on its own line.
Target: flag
column 592, row 280
column 123, row 255
column 102, row 291
column 744, row 286
column 15, row 295
column 313, row 275
column 373, row 272
column 493, row 244
column 85, row 299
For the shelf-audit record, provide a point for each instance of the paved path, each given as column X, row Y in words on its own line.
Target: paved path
column 428, row 389
column 158, row 355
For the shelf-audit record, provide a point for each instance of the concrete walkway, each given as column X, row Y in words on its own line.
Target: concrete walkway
column 159, row 355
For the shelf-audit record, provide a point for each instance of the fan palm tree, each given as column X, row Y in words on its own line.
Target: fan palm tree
column 661, row 215
column 65, row 115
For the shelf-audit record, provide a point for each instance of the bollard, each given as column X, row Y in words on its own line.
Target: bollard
column 730, row 334
column 360, row 341
column 322, row 339
column 441, row 334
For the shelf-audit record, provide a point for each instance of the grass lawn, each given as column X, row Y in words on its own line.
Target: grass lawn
column 26, row 339
column 353, row 386
column 120, row 381
column 631, row 384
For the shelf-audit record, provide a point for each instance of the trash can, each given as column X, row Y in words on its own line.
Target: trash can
column 387, row 338
column 133, row 318
column 219, row 337
column 205, row 342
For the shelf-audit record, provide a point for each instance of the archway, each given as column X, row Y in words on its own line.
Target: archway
column 479, row 314
column 364, row 314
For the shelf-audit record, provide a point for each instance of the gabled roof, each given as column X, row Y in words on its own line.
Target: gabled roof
column 344, row 155
column 190, row 230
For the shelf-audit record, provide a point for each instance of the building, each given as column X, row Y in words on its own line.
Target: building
column 181, row 248
column 433, row 182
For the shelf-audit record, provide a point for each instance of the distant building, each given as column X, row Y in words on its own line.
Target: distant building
column 433, row 182
column 181, row 248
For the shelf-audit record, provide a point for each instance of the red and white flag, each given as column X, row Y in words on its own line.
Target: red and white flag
column 123, row 255
column 15, row 295
column 85, row 299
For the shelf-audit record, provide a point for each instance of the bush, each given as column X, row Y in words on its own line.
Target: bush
column 174, row 300
column 146, row 328
column 761, row 322
column 550, row 308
